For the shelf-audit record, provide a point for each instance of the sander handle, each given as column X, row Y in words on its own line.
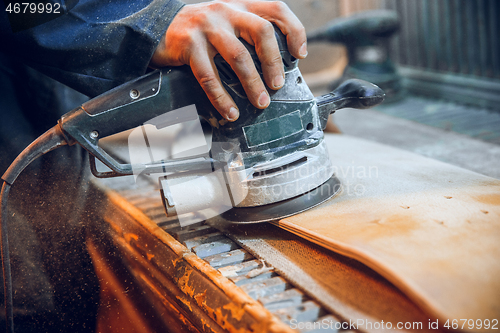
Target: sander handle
column 131, row 105
column 353, row 93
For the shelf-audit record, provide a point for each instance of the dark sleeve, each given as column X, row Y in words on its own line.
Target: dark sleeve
column 96, row 45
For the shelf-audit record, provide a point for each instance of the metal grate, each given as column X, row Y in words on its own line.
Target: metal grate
column 254, row 276
column 452, row 36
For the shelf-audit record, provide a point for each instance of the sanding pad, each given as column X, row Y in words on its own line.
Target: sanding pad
column 285, row 208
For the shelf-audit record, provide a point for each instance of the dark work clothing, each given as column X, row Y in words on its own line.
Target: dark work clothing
column 96, row 46
column 55, row 287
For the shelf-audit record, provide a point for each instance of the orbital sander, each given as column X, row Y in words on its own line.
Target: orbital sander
column 268, row 164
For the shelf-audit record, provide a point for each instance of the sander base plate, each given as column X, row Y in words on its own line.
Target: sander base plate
column 285, row 208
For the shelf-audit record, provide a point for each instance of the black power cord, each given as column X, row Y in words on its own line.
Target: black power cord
column 48, row 141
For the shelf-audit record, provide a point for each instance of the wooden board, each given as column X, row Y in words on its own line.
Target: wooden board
column 430, row 228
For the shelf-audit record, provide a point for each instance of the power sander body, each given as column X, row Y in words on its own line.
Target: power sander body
column 269, row 158
column 266, row 165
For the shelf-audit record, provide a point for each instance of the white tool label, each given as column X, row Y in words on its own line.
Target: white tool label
column 274, row 129
column 194, row 199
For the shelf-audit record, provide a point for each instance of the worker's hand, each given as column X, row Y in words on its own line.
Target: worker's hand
column 201, row 31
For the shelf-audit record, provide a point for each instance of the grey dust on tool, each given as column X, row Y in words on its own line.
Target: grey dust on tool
column 266, row 157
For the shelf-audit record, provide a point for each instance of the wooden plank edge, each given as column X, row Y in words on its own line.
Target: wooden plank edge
column 411, row 291
column 267, row 321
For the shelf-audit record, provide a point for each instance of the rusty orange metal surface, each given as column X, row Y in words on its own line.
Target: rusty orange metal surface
column 199, row 285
